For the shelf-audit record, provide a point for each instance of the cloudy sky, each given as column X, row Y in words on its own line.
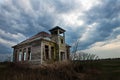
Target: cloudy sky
column 95, row 23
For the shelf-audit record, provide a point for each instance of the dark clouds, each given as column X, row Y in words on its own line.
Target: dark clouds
column 62, row 6
column 107, row 17
column 21, row 19
column 25, row 18
column 4, row 49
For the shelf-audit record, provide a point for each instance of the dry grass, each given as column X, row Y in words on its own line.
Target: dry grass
column 85, row 70
column 56, row 71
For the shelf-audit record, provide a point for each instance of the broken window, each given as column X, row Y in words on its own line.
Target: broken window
column 29, row 53
column 46, row 52
column 52, row 52
column 15, row 55
column 24, row 54
column 62, row 41
column 20, row 55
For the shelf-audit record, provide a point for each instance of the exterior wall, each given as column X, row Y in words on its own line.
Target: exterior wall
column 36, row 50
column 36, row 53
column 60, row 40
column 54, row 38
column 62, row 48
column 24, row 53
column 51, row 55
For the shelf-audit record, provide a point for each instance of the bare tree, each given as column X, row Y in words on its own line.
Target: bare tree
column 83, row 56
column 8, row 57
column 77, row 55
column 74, row 50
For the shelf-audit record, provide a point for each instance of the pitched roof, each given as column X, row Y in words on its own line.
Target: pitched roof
column 56, row 28
column 39, row 35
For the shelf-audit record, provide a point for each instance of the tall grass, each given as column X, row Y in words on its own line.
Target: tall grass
column 56, row 71
column 70, row 70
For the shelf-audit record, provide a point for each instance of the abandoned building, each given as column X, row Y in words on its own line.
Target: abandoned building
column 43, row 47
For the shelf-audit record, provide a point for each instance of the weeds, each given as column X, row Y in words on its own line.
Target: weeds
column 72, row 70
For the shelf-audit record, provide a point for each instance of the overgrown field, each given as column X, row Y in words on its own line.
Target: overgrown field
column 75, row 70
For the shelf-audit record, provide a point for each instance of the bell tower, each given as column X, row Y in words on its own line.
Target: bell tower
column 58, row 36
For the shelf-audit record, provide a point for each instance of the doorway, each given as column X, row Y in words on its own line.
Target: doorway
column 62, row 56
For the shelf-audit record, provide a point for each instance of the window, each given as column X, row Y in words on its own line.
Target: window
column 62, row 41
column 52, row 52
column 24, row 54
column 29, row 53
column 46, row 52
column 15, row 55
column 20, row 55
column 61, row 35
column 62, row 57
